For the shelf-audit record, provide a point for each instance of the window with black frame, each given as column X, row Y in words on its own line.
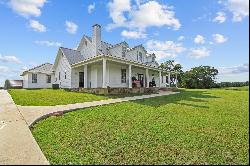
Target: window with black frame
column 34, row 78
column 123, row 76
column 48, row 78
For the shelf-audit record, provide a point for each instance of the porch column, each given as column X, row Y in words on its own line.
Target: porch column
column 169, row 80
column 129, row 76
column 85, row 76
column 104, row 73
column 147, row 78
column 176, row 80
column 160, row 79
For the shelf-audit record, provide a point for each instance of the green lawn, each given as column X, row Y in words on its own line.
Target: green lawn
column 193, row 127
column 50, row 97
column 46, row 97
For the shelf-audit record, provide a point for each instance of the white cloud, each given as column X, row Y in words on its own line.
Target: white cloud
column 4, row 69
column 27, row 8
column 199, row 52
column 220, row 18
column 164, row 49
column 37, row 26
column 141, row 16
column 243, row 68
column 116, row 12
column 133, row 34
column 199, row 39
column 71, row 27
column 9, row 59
column 91, row 8
column 218, row 38
column 181, row 38
column 48, row 43
column 239, row 9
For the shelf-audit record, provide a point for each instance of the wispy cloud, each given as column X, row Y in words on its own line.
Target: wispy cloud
column 71, row 27
column 199, row 39
column 37, row 26
column 220, row 18
column 218, row 38
column 27, row 8
column 133, row 34
column 243, row 68
column 12, row 59
column 48, row 43
column 199, row 52
column 164, row 49
column 91, row 8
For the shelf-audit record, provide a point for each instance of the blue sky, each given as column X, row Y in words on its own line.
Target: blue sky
column 193, row 32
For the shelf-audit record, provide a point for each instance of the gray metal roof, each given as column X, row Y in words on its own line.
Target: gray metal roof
column 45, row 68
column 73, row 56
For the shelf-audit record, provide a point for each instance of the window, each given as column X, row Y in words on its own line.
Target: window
column 85, row 43
column 59, row 76
column 153, row 59
column 140, row 56
column 162, row 79
column 34, row 78
column 48, row 78
column 123, row 51
column 137, row 56
column 123, row 78
column 65, row 75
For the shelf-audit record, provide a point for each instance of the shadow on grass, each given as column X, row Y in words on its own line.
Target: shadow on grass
column 194, row 97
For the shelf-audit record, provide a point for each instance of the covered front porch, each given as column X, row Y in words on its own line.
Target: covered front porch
column 113, row 72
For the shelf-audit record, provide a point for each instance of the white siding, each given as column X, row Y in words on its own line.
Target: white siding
column 88, row 50
column 114, row 75
column 132, row 54
column 62, row 67
column 41, row 81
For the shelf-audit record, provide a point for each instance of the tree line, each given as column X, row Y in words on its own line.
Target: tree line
column 201, row 77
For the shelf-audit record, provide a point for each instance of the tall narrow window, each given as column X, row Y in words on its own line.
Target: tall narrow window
column 123, row 51
column 123, row 76
column 162, row 79
column 137, row 56
column 59, row 76
column 34, row 78
column 65, row 75
column 48, row 78
column 140, row 56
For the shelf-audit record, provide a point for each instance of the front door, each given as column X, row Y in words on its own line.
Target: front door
column 141, row 79
column 81, row 79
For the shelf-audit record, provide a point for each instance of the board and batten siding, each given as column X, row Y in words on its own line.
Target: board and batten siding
column 63, row 67
column 41, row 81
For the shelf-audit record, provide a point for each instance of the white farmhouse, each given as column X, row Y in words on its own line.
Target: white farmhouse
column 98, row 64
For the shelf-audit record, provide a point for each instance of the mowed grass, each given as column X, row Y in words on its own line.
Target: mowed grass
column 49, row 97
column 192, row 127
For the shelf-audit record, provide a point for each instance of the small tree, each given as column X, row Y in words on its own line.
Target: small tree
column 171, row 66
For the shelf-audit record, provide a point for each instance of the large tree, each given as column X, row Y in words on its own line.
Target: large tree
column 199, row 77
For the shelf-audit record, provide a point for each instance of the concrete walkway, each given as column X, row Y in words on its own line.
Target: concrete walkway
column 33, row 114
column 17, row 145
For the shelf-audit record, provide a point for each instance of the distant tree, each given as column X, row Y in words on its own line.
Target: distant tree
column 199, row 77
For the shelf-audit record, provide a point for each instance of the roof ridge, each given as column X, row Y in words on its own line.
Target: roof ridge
column 69, row 49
